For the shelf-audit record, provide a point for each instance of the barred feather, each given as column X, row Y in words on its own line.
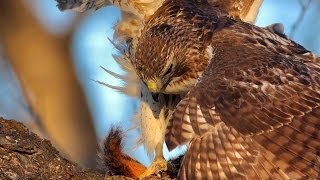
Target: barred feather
column 81, row 5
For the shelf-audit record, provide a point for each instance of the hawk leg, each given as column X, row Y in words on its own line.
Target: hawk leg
column 158, row 164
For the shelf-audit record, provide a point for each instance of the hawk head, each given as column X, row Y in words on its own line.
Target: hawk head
column 166, row 63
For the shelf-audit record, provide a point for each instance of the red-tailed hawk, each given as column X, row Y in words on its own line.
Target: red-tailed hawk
column 250, row 104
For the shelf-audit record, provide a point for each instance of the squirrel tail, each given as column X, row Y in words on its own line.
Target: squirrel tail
column 116, row 161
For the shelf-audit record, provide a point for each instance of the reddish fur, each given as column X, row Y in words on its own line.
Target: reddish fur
column 116, row 160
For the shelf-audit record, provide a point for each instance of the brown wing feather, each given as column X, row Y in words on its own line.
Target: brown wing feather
column 226, row 154
column 266, row 89
column 255, row 84
column 188, row 120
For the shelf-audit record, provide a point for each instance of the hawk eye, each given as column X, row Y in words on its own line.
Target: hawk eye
column 168, row 71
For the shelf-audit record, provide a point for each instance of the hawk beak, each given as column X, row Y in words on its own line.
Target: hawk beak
column 152, row 86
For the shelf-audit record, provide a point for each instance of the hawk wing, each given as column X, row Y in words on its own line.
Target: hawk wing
column 267, row 89
column 81, row 5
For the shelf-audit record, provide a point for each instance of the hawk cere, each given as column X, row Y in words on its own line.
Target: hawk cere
column 246, row 99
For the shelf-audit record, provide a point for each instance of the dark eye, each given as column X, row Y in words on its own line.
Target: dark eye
column 168, row 71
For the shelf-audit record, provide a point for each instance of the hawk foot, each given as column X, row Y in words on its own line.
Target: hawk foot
column 158, row 165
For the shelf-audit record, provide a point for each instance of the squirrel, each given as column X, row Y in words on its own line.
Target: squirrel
column 116, row 162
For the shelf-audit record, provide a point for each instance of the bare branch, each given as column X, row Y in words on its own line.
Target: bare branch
column 304, row 7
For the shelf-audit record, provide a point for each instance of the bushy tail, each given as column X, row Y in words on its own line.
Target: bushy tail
column 116, row 161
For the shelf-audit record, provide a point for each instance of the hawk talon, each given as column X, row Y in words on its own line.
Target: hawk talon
column 158, row 165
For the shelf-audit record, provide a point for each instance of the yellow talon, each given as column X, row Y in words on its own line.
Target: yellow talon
column 157, row 166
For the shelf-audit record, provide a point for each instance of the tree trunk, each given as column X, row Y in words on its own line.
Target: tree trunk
column 43, row 65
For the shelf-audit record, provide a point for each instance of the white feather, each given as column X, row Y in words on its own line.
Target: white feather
column 152, row 128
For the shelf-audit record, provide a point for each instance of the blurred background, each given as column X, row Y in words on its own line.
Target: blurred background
column 49, row 59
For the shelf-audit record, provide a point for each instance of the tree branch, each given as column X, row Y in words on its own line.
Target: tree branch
column 304, row 8
column 23, row 155
column 43, row 65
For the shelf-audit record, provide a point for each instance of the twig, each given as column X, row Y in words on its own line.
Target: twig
column 304, row 8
